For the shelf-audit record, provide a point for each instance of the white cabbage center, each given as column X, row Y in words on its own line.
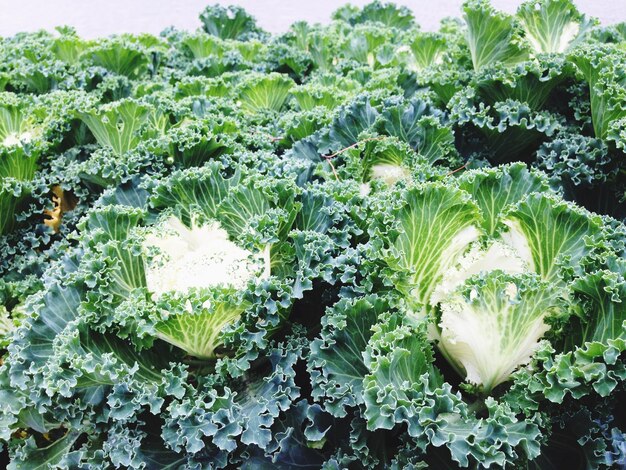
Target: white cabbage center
column 504, row 257
column 479, row 338
column 12, row 139
column 389, row 173
column 198, row 257
column 483, row 339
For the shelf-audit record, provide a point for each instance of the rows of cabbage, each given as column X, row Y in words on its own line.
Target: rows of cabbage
column 349, row 245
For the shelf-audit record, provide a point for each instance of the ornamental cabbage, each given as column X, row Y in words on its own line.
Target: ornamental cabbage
column 352, row 245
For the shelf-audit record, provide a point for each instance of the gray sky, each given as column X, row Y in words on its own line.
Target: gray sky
column 94, row 18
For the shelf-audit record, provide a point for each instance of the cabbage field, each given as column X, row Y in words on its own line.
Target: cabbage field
column 351, row 246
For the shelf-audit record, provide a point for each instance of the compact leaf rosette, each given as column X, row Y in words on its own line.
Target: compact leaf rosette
column 214, row 239
column 475, row 278
column 185, row 277
column 188, row 262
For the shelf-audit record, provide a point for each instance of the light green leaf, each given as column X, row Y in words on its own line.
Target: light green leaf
column 553, row 25
column 435, row 226
column 127, row 61
column 495, row 190
column 427, row 50
column 493, row 37
column 202, row 46
column 267, row 93
column 493, row 324
column 197, row 331
column 119, row 125
column 241, row 206
column 200, row 189
column 553, row 231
